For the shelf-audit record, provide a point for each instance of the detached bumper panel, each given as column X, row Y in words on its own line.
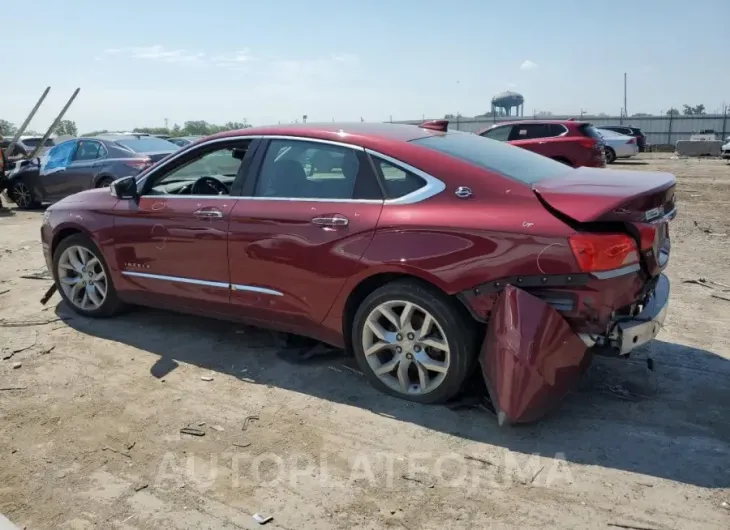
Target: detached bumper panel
column 531, row 358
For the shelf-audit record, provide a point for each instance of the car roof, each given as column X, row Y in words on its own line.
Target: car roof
column 365, row 134
column 540, row 122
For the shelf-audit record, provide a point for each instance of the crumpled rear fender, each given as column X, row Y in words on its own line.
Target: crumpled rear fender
column 530, row 358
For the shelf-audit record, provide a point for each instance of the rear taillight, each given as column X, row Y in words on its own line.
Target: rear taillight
column 139, row 163
column 603, row 252
column 588, row 143
column 631, row 141
column 648, row 235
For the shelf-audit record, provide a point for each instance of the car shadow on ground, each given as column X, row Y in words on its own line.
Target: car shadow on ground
column 671, row 423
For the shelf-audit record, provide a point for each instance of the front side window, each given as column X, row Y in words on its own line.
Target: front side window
column 210, row 172
column 58, row 157
column 501, row 134
column 300, row 169
column 511, row 161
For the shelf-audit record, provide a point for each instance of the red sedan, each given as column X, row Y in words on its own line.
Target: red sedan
column 426, row 253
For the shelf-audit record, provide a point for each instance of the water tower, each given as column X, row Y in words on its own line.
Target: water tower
column 506, row 101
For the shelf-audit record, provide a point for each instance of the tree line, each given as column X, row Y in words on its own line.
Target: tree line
column 687, row 110
column 188, row 128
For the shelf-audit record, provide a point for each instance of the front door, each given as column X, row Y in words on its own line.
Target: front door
column 84, row 165
column 311, row 214
column 54, row 182
column 171, row 245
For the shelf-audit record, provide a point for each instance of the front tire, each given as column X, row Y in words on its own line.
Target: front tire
column 412, row 342
column 21, row 194
column 83, row 279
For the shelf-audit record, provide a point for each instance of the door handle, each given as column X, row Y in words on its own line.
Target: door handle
column 331, row 221
column 212, row 213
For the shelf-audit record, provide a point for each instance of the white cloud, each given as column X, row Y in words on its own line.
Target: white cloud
column 233, row 61
column 528, row 65
column 157, row 53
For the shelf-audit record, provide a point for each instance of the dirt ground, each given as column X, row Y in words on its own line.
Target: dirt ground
column 89, row 435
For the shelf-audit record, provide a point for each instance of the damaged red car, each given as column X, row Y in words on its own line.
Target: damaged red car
column 428, row 253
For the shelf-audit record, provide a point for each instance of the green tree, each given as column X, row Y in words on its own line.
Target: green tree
column 67, row 128
column 7, row 128
column 672, row 112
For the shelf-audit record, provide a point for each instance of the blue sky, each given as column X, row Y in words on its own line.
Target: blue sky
column 140, row 62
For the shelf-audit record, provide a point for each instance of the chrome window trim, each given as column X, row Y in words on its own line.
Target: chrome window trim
column 432, row 187
column 205, row 283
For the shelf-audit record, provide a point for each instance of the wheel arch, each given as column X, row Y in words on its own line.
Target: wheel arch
column 367, row 285
column 67, row 231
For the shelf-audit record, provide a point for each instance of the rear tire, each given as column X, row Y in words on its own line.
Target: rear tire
column 83, row 278
column 21, row 194
column 610, row 155
column 405, row 360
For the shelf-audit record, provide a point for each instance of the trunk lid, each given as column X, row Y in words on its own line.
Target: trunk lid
column 157, row 156
column 590, row 195
column 642, row 202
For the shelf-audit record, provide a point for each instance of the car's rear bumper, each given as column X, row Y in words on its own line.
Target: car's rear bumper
column 531, row 357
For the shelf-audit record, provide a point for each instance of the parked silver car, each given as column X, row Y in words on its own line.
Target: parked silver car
column 618, row 145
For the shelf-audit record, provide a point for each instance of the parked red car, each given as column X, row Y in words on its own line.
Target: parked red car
column 423, row 251
column 574, row 143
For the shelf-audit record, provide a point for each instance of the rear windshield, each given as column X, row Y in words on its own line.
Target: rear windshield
column 35, row 142
column 513, row 162
column 591, row 132
column 147, row 144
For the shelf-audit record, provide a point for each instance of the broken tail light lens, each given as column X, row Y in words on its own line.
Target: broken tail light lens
column 139, row 164
column 603, row 252
column 632, row 141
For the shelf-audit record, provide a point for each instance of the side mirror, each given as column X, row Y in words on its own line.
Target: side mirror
column 124, row 188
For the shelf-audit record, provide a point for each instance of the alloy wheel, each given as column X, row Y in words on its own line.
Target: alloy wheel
column 405, row 347
column 82, row 278
column 21, row 195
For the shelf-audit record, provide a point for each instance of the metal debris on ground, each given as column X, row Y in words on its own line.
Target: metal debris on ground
column 217, row 428
column 193, row 431
column 631, row 527
column 40, row 275
column 720, row 297
column 247, row 420
column 17, row 365
column 417, row 480
column 48, row 350
column 141, row 487
column 243, row 445
column 117, row 451
column 262, row 519
column 480, row 460
column 206, row 378
column 5, row 291
column 8, row 388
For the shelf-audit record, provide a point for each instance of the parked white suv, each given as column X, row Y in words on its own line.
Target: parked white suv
column 726, row 148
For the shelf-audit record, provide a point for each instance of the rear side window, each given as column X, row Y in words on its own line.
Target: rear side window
column 501, row 134
column 529, row 131
column 35, row 142
column 511, row 161
column 397, row 182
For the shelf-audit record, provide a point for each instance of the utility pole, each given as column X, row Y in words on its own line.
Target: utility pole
column 626, row 109
column 582, row 112
column 167, row 124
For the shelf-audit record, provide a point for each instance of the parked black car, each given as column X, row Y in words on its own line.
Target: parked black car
column 629, row 131
column 81, row 164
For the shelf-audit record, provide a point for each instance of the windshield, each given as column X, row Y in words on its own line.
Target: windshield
column 513, row 162
column 147, row 144
column 35, row 142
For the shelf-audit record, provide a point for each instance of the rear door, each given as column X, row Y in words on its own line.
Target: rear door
column 537, row 137
column 301, row 230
